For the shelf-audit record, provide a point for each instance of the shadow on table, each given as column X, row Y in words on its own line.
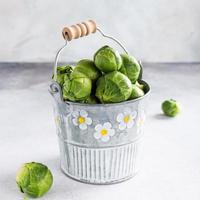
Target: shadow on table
column 8, row 184
column 161, row 117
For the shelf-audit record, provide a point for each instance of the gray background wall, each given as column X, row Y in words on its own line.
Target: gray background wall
column 153, row 30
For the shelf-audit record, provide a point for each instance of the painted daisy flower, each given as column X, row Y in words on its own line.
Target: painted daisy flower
column 142, row 118
column 104, row 132
column 81, row 119
column 126, row 119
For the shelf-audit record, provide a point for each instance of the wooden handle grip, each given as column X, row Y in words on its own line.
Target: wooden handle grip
column 79, row 30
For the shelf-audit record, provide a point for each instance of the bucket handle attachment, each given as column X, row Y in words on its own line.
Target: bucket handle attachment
column 55, row 91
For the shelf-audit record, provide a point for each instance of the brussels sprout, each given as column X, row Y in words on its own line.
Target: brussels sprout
column 61, row 71
column 107, row 59
column 76, row 87
column 34, row 179
column 130, row 67
column 88, row 68
column 141, row 86
column 170, row 107
column 136, row 92
column 90, row 100
column 113, row 87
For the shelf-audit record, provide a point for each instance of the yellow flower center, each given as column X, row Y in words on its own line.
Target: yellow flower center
column 81, row 120
column 104, row 132
column 126, row 119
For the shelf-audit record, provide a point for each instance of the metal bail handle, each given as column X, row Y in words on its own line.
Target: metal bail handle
column 79, row 30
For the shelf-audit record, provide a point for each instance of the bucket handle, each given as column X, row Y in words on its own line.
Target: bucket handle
column 74, row 32
column 80, row 30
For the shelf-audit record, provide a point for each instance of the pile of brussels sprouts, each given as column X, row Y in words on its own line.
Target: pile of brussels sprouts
column 108, row 78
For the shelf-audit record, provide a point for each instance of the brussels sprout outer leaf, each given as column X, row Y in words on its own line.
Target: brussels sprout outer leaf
column 90, row 100
column 34, row 179
column 113, row 87
column 170, row 107
column 88, row 68
column 107, row 59
column 77, row 87
column 130, row 67
column 141, row 86
column 61, row 71
column 136, row 92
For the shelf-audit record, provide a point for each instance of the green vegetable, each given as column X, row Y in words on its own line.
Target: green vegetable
column 171, row 107
column 90, row 100
column 34, row 179
column 61, row 71
column 88, row 68
column 107, row 59
column 130, row 67
column 113, row 87
column 136, row 92
column 77, row 86
column 141, row 86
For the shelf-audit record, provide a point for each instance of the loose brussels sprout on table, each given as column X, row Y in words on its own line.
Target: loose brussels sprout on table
column 170, row 107
column 110, row 78
column 113, row 87
column 34, row 179
column 107, row 59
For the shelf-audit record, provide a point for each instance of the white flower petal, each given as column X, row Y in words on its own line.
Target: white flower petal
column 83, row 126
column 88, row 121
column 127, row 111
column 130, row 124
column 74, row 120
column 107, row 125
column 143, row 116
column 120, row 117
column 111, row 132
column 83, row 113
column 134, row 114
column 105, row 138
column 98, row 127
column 122, row 126
column 97, row 135
column 75, row 113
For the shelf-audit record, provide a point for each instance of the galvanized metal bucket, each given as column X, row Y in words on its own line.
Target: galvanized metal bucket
column 99, row 143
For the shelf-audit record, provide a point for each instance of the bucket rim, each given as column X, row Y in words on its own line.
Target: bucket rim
column 148, row 90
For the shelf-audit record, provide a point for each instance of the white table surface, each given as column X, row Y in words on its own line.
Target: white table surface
column 171, row 163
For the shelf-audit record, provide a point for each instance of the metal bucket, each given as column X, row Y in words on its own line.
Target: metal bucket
column 99, row 143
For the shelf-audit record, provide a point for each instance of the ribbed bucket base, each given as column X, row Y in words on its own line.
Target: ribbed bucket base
column 100, row 165
column 98, row 183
